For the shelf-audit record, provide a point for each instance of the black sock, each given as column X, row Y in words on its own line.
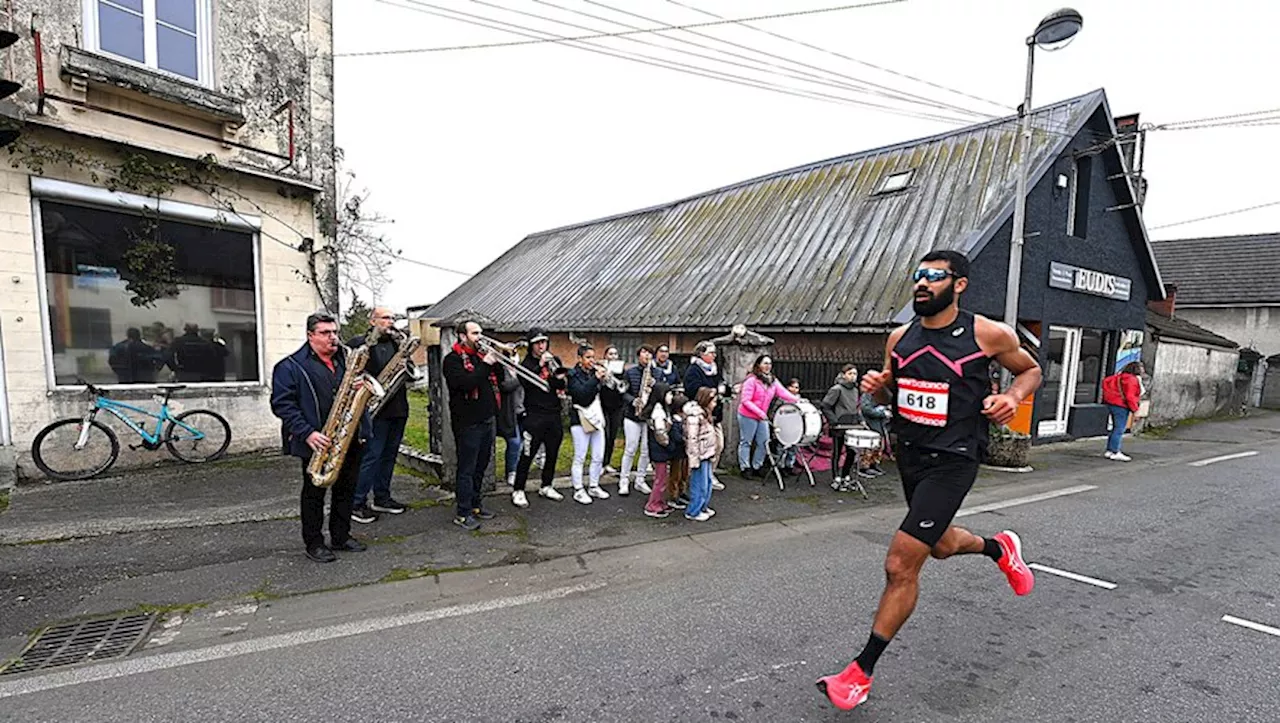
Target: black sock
column 991, row 549
column 870, row 654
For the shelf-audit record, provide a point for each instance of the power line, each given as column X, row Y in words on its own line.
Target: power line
column 1214, row 119
column 701, row 56
column 858, row 84
column 842, row 56
column 513, row 43
column 1213, row 216
column 430, row 266
column 524, row 31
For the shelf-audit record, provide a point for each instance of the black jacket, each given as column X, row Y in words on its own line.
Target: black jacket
column 397, row 407
column 536, row 401
column 696, row 378
column 506, row 416
column 584, row 387
column 634, row 376
column 471, row 397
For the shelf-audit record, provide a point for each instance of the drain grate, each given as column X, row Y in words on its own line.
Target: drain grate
column 82, row 642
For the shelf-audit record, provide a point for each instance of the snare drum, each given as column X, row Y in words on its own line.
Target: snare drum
column 862, row 439
column 797, row 423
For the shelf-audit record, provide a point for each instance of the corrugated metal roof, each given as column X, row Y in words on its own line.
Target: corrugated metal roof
column 812, row 247
column 1174, row 328
column 1226, row 270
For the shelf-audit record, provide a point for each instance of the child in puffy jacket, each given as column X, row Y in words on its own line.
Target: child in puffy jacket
column 702, row 445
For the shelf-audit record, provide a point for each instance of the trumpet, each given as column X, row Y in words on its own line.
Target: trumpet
column 500, row 351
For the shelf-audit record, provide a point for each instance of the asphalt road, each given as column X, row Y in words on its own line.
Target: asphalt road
column 737, row 627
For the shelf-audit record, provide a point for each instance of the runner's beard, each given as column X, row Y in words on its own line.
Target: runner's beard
column 936, row 303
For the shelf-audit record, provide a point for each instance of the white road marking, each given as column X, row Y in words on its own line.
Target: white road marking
column 1024, row 500
column 1251, row 625
column 1073, row 576
column 1223, row 458
column 162, row 661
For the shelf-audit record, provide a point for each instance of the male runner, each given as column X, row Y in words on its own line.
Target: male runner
column 938, row 366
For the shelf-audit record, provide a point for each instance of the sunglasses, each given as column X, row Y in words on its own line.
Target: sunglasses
column 931, row 275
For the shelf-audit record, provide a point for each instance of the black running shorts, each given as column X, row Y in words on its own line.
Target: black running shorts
column 935, row 484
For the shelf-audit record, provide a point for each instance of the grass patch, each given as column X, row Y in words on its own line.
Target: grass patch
column 1164, row 431
column 423, row 504
column 417, row 432
column 162, row 610
column 428, row 479
column 4, row 500
column 263, row 592
column 388, row 540
column 401, row 574
column 812, row 500
column 520, row 531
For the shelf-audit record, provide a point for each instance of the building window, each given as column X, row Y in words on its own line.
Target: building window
column 895, row 181
column 628, row 345
column 171, row 36
column 114, row 320
column 1078, row 214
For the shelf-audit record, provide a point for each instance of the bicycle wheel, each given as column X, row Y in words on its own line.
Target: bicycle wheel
column 54, row 449
column 198, row 436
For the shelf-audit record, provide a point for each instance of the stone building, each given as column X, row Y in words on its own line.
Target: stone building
column 173, row 175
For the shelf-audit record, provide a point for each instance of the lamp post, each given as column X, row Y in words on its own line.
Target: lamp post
column 1053, row 33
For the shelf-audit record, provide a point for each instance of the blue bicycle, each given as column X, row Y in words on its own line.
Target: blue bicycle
column 82, row 447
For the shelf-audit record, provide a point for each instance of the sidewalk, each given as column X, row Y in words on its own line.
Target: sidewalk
column 177, row 538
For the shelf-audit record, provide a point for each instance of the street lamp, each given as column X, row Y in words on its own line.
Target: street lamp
column 1054, row 32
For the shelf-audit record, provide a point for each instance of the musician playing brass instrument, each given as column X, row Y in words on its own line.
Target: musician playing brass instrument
column 303, row 389
column 380, row 453
column 635, row 427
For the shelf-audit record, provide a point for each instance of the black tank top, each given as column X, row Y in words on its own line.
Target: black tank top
column 942, row 378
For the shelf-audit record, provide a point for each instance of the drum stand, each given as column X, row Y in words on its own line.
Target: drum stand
column 773, row 462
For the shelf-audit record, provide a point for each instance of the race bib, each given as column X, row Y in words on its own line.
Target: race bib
column 923, row 402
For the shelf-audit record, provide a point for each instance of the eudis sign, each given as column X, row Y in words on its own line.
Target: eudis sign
column 1088, row 281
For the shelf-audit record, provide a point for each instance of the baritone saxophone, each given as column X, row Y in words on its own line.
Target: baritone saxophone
column 344, row 417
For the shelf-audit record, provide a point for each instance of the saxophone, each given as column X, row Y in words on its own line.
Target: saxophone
column 398, row 371
column 646, row 386
column 344, row 417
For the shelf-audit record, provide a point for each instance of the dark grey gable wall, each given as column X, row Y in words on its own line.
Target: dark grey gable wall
column 1109, row 247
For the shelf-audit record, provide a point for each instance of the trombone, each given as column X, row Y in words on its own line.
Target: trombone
column 501, row 350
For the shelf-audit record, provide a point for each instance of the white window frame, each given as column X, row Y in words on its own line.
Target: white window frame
column 204, row 40
column 907, row 176
column 48, row 189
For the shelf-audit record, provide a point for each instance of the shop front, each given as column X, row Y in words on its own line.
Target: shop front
column 1091, row 326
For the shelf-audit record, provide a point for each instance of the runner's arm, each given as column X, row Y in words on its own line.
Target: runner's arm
column 1001, row 343
column 884, row 394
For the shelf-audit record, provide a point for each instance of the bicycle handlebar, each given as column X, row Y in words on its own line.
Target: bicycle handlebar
column 93, row 391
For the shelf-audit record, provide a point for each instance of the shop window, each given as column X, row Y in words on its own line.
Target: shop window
column 171, row 36
column 1078, row 214
column 137, row 300
column 1089, row 366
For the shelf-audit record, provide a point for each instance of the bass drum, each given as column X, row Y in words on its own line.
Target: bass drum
column 797, row 424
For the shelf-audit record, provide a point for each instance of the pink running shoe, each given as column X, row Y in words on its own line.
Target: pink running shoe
column 848, row 689
column 1012, row 565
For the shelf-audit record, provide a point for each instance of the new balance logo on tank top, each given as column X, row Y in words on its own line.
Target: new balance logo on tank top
column 942, row 378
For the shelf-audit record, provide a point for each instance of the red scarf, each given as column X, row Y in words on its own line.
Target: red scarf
column 466, row 353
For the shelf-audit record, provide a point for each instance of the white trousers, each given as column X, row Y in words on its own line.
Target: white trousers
column 637, row 436
column 581, row 441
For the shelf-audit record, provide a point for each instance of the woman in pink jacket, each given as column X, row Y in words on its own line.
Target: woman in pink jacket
column 758, row 392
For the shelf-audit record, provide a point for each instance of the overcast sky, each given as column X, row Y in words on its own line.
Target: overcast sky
column 471, row 150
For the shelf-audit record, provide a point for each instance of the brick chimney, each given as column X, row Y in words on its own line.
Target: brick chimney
column 1165, row 308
